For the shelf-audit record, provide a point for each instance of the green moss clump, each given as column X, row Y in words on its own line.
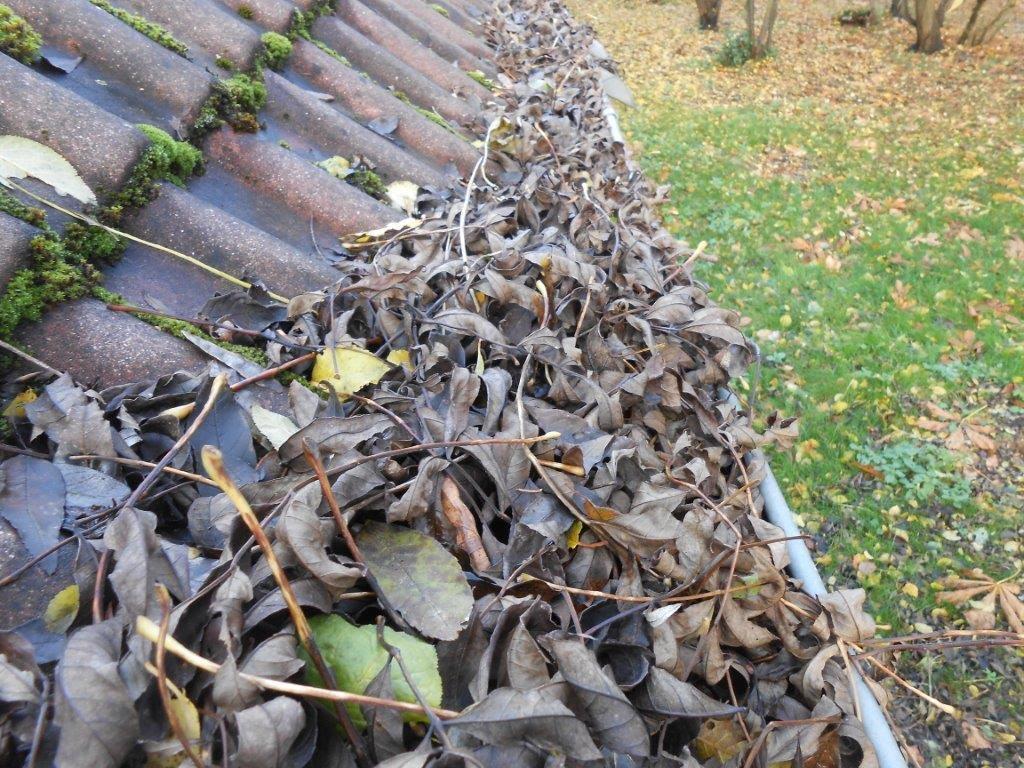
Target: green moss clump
column 245, row 92
column 57, row 274
column 330, row 51
column 17, row 38
column 483, row 79
column 224, row 63
column 433, row 117
column 153, row 31
column 235, row 101
column 430, row 114
column 94, row 245
column 166, row 159
column 178, row 328
column 369, row 182
column 12, row 206
column 209, row 119
column 245, row 12
column 175, row 161
column 440, row 9
column 302, row 22
column 276, row 49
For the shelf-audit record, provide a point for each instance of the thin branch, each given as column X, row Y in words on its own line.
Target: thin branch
column 211, row 400
column 27, row 357
column 213, row 462
column 161, row 679
column 156, row 246
column 148, row 629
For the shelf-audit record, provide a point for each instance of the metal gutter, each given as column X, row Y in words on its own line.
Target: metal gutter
column 801, row 564
column 802, row 567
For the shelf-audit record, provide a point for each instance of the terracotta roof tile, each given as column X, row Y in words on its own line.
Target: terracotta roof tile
column 262, row 210
column 393, row 39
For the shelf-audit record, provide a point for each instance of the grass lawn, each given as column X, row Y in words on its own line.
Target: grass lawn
column 865, row 206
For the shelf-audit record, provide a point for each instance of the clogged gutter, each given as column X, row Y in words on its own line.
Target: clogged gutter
column 524, row 469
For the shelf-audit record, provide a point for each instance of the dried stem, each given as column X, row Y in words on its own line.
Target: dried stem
column 156, row 246
column 148, row 629
column 272, row 372
column 132, row 310
column 145, row 465
column 161, row 679
column 213, row 462
column 313, row 458
column 211, row 400
column 396, row 654
column 27, row 357
column 941, row 706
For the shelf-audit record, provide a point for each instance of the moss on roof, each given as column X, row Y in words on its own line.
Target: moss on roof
column 153, row 31
column 17, row 38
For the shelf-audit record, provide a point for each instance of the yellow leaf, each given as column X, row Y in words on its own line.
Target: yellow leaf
column 910, row 589
column 337, row 166
column 399, row 357
column 188, row 715
column 21, row 157
column 719, row 739
column 16, row 408
column 348, row 369
column 61, row 610
column 572, row 538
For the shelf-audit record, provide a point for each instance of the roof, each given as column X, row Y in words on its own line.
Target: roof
column 382, row 81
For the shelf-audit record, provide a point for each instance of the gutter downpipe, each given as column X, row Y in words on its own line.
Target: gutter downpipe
column 801, row 565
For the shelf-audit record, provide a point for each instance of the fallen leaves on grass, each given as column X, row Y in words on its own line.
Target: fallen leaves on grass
column 983, row 594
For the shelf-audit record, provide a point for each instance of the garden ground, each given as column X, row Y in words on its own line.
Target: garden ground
column 864, row 206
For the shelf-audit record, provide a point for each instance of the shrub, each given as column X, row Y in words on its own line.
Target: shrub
column 736, row 51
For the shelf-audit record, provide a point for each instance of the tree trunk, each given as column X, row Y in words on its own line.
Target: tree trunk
column 877, row 11
column 708, row 10
column 761, row 41
column 978, row 31
column 928, row 23
column 900, row 9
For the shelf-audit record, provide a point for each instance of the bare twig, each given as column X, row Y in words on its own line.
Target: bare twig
column 215, row 389
column 213, row 462
column 145, row 465
column 161, row 679
column 148, row 629
column 40, row 727
column 396, row 654
column 27, row 357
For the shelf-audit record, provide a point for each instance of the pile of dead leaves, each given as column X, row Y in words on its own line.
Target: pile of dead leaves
column 518, row 525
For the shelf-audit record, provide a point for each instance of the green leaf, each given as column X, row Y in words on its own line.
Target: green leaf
column 355, row 656
column 419, row 578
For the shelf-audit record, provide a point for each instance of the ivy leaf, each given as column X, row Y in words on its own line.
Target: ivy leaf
column 355, row 656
